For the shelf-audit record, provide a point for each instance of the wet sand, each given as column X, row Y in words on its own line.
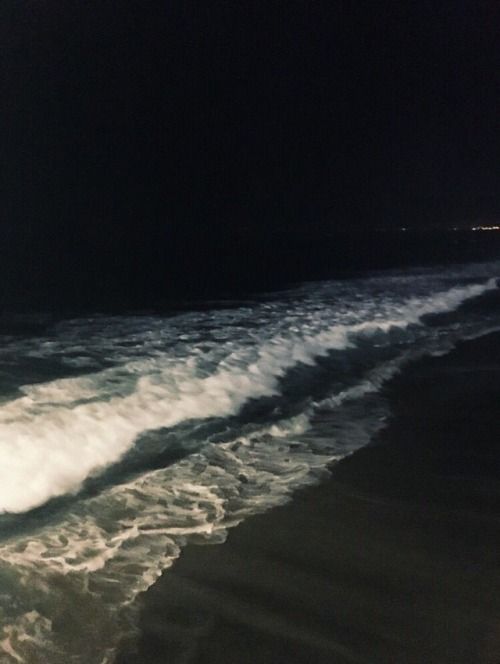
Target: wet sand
column 395, row 559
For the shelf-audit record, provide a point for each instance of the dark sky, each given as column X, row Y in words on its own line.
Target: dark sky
column 127, row 127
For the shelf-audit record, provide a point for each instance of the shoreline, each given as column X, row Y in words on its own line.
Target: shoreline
column 392, row 559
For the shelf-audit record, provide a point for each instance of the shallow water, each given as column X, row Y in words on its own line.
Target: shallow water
column 124, row 437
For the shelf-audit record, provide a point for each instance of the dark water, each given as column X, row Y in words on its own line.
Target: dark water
column 163, row 271
column 124, row 437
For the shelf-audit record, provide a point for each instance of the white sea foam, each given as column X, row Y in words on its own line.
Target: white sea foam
column 94, row 557
column 116, row 545
column 59, row 433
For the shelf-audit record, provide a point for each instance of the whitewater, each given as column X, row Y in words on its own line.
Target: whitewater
column 124, row 438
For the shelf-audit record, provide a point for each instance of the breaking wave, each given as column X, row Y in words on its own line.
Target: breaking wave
column 266, row 396
column 59, row 433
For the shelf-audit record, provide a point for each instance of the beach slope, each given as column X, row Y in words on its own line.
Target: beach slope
column 394, row 559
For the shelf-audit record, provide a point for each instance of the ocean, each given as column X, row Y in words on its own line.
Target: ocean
column 123, row 438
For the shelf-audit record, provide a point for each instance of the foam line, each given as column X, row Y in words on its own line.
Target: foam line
column 105, row 550
column 60, row 433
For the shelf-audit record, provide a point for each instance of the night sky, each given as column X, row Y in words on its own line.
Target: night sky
column 144, row 142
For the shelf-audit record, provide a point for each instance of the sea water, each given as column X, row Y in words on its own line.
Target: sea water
column 124, row 438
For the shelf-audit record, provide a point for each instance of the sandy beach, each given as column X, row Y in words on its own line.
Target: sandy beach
column 393, row 559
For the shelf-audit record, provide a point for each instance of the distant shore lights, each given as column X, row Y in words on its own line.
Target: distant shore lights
column 486, row 228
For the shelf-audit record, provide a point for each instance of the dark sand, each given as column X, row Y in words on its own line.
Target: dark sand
column 394, row 560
